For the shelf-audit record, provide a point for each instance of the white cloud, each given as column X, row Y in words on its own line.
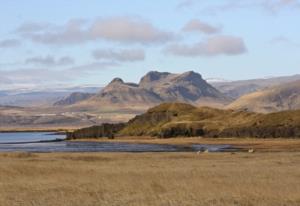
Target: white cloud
column 196, row 25
column 32, row 27
column 27, row 77
column 217, row 45
column 128, row 30
column 70, row 33
column 125, row 55
column 50, row 61
column 116, row 29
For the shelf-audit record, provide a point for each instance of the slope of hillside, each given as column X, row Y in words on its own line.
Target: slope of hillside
column 180, row 119
column 236, row 89
column 278, row 98
column 73, row 98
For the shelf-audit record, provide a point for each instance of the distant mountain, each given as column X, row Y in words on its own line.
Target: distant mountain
column 40, row 97
column 73, row 98
column 32, row 98
column 157, row 87
column 179, row 119
column 277, row 98
column 236, row 89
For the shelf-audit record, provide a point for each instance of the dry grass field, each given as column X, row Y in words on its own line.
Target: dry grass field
column 168, row 179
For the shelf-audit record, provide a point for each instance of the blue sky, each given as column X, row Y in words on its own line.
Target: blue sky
column 44, row 43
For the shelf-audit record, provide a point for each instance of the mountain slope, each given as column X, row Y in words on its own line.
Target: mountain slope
column 278, row 98
column 236, row 89
column 73, row 98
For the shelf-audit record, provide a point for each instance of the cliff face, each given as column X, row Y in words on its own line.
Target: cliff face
column 104, row 130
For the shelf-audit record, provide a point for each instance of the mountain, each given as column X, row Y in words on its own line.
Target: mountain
column 157, row 87
column 117, row 92
column 277, row 98
column 32, row 98
column 180, row 119
column 236, row 89
column 73, row 98
column 185, row 87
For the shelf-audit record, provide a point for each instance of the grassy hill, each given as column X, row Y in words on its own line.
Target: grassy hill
column 180, row 119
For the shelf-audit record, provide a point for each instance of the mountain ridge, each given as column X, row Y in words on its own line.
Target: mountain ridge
column 157, row 87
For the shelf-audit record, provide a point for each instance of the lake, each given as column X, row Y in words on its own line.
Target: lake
column 41, row 142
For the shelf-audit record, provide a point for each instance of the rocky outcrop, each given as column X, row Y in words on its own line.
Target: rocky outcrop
column 104, row 130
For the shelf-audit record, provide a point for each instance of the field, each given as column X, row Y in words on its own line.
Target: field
column 80, row 179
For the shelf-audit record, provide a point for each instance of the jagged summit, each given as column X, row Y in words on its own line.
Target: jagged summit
column 190, row 75
column 117, row 80
column 153, row 76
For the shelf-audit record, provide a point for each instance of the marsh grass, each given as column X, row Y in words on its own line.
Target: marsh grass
column 73, row 179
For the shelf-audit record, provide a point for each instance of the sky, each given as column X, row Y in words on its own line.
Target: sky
column 79, row 42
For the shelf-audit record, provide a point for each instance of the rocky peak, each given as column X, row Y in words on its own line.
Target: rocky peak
column 153, row 76
column 117, row 81
column 190, row 76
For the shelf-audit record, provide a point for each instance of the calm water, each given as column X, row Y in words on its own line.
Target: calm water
column 29, row 142
column 28, row 137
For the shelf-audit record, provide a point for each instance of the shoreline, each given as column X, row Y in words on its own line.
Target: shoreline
column 34, row 130
column 260, row 145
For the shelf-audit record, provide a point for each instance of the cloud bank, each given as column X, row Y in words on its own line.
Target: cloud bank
column 196, row 25
column 50, row 61
column 9, row 43
column 217, row 45
column 125, row 55
column 115, row 29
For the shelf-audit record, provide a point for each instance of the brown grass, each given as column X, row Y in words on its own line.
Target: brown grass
column 74, row 179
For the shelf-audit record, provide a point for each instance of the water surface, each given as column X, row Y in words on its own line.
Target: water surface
column 41, row 142
column 17, row 137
